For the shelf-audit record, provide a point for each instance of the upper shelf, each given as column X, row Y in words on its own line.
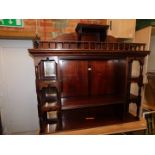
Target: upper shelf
column 89, row 39
column 61, row 48
column 89, row 45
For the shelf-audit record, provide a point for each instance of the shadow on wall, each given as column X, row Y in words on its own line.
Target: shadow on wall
column 150, row 90
column 1, row 131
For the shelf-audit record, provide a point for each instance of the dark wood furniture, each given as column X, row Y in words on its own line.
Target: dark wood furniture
column 91, row 32
column 85, row 86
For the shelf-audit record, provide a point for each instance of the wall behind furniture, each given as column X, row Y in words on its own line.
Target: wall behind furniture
column 46, row 28
column 18, row 101
column 151, row 59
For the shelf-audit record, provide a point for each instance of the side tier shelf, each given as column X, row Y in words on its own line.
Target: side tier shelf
column 138, row 80
column 49, row 107
column 133, row 98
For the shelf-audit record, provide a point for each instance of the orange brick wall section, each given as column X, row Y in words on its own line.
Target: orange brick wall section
column 50, row 28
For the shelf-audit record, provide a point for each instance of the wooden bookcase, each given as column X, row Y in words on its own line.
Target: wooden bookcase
column 83, row 84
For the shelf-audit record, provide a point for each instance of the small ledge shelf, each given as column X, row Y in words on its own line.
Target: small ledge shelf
column 133, row 98
column 52, row 106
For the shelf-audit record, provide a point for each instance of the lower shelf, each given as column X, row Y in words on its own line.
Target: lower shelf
column 88, row 118
column 119, row 128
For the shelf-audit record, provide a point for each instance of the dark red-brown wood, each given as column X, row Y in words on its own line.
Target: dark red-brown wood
column 105, row 75
column 74, row 76
column 90, row 81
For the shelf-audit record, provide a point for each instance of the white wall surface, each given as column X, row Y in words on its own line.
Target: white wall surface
column 18, row 101
column 151, row 60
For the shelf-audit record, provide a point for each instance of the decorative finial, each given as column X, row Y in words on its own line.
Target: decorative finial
column 36, row 41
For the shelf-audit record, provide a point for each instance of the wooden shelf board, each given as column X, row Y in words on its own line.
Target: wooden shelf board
column 109, row 129
column 82, row 102
column 113, row 128
column 53, row 106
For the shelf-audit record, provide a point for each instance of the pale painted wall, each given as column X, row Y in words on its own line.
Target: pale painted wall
column 151, row 59
column 18, row 101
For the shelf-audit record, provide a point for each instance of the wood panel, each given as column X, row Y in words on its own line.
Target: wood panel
column 74, row 74
column 105, row 76
column 102, row 78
